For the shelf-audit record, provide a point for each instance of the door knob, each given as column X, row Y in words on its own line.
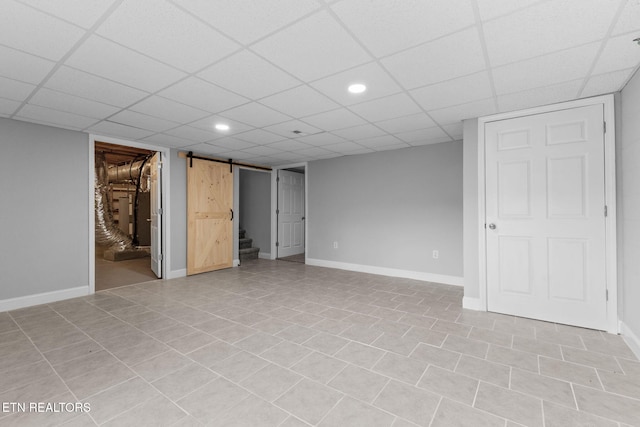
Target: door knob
column 492, row 226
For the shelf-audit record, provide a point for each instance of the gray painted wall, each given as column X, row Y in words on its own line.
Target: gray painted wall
column 255, row 207
column 389, row 209
column 470, row 178
column 629, row 204
column 44, row 219
column 178, row 212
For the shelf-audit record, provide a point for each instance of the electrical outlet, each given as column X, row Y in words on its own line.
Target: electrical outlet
column 436, row 254
column 335, row 245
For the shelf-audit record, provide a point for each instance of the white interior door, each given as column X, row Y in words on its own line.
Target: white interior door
column 290, row 213
column 545, row 217
column 156, row 214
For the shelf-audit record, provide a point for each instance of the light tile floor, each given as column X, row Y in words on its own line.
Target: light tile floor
column 283, row 344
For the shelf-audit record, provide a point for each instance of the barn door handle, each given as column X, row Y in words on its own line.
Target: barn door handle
column 231, row 214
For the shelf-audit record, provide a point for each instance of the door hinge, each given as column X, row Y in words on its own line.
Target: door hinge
column 160, row 211
column 607, row 294
column 604, row 127
column 277, row 243
column 606, row 211
column 277, row 211
column 278, row 179
column 160, row 257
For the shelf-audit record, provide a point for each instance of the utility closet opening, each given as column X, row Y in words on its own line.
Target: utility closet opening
column 123, row 229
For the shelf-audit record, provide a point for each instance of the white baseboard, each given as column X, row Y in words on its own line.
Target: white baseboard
column 174, row 274
column 264, row 255
column 43, row 298
column 632, row 340
column 472, row 304
column 236, row 262
column 393, row 272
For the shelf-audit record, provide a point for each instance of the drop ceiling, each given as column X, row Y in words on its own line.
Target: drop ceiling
column 163, row 72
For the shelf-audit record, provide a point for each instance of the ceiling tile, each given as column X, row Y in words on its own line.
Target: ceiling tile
column 377, row 80
column 430, row 141
column 167, row 109
column 320, row 139
column 259, row 136
column 72, row 104
column 336, row 119
column 452, row 92
column 27, row 29
column 248, row 20
column 22, row 66
column 235, row 155
column 204, row 149
column 15, row 90
column 360, row 132
column 443, row 59
column 192, row 134
column 406, row 123
column 205, row 96
column 118, row 130
column 8, row 106
column 289, row 145
column 104, row 58
column 54, row 117
column 167, row 140
column 546, row 27
column 256, row 114
column 207, row 124
column 313, row 48
column 540, row 96
column 490, row 9
column 454, row 130
column 166, row 33
column 249, row 75
column 379, row 141
column 606, row 83
column 286, row 129
column 391, row 147
column 411, row 22
column 79, row 83
column 345, row 147
column 386, row 108
column 314, row 151
column 143, row 121
column 451, row 115
column 629, row 19
column 229, row 143
column 299, row 102
column 545, row 70
column 262, row 150
column 420, row 135
column 619, row 53
column 83, row 13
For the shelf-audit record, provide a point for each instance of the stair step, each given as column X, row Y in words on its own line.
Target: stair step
column 245, row 243
column 249, row 253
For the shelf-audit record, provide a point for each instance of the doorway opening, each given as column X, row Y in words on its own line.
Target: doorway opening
column 254, row 214
column 127, row 229
column 290, row 213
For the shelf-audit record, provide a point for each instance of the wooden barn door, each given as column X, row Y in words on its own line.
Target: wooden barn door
column 209, row 216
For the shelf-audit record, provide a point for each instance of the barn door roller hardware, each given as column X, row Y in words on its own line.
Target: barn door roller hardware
column 230, row 162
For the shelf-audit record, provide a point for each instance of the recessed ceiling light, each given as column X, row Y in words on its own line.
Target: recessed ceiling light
column 222, row 126
column 357, row 88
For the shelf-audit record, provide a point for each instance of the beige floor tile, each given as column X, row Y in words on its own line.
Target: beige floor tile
column 44, row 388
column 93, row 382
column 213, row 353
column 491, row 337
column 608, row 405
column 491, row 372
column 172, row 332
column 617, row 383
column 309, row 400
column 426, row 336
column 116, row 400
column 467, row 346
column 613, row 345
column 188, row 343
column 139, row 353
column 44, row 419
column 363, row 334
column 326, row 343
column 401, row 368
column 258, row 342
column 514, row 358
column 272, row 326
column 436, row 356
column 180, row 383
column 595, row 360
column 250, row 412
column 286, row 353
column 542, row 387
column 455, row 414
column 206, row 403
column 566, row 371
column 24, row 375
column 451, row 328
column 560, row 416
column 213, row 325
column 561, row 338
column 294, row 422
column 297, row 334
column 85, row 364
column 534, row 346
column 330, row 326
column 630, row 367
column 71, row 352
column 512, row 405
column 517, row 330
column 396, row 344
column 155, row 411
column 161, row 365
column 411, row 403
column 271, row 382
column 360, row 354
column 234, row 333
column 449, row 384
column 359, row 383
column 239, row 366
column 319, row 367
column 350, row 412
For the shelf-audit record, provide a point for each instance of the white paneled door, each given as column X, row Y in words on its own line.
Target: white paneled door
column 156, row 214
column 545, row 217
column 290, row 213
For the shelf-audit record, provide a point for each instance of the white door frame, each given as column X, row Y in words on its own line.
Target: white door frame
column 610, row 197
column 274, row 206
column 166, row 231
